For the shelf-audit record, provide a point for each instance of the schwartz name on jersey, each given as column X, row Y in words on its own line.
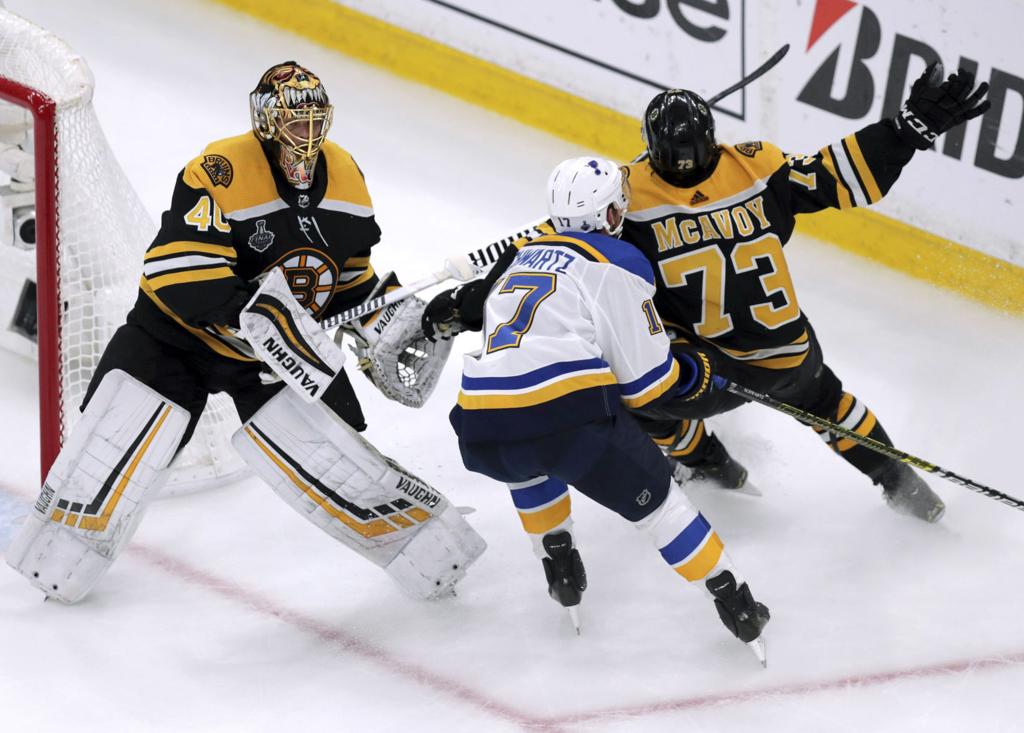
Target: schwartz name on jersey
column 717, row 247
column 233, row 217
column 569, row 331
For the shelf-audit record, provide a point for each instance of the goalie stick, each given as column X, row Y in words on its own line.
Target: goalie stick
column 870, row 443
column 463, row 267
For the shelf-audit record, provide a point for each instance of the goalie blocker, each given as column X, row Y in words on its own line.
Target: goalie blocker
column 390, row 345
column 332, row 476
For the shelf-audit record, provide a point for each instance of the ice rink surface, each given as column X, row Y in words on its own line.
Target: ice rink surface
column 229, row 612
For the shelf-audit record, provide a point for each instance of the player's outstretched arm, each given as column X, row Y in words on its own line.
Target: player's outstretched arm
column 861, row 168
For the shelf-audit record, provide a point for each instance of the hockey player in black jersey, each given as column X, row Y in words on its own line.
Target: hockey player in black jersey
column 268, row 233
column 712, row 219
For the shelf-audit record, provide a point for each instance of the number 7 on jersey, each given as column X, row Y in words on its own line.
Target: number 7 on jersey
column 538, row 286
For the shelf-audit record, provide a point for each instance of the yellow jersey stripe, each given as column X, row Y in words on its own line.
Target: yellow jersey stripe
column 592, row 251
column 546, row 519
column 656, row 390
column 357, row 281
column 218, row 346
column 866, row 426
column 704, row 561
column 857, row 156
column 779, row 362
column 842, row 192
column 190, row 276
column 687, row 449
column 536, row 397
column 180, row 248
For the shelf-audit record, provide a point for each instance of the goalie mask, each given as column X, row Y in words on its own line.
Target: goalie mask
column 289, row 107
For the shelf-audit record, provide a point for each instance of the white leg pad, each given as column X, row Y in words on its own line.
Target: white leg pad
column 97, row 490
column 332, row 476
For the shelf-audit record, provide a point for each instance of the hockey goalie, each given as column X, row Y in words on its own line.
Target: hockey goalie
column 268, row 233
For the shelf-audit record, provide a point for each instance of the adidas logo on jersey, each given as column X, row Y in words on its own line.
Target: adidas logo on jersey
column 698, row 198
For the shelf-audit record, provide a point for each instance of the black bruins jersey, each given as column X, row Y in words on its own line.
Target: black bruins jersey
column 232, row 217
column 716, row 248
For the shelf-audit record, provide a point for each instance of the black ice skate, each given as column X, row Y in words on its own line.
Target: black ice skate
column 740, row 613
column 717, row 468
column 564, row 571
column 907, row 493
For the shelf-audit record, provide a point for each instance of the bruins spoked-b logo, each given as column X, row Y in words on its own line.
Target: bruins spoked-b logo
column 261, row 239
column 312, row 277
column 749, row 149
column 219, row 169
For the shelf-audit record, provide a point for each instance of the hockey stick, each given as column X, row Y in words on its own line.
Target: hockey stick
column 870, row 443
column 754, row 75
column 462, row 267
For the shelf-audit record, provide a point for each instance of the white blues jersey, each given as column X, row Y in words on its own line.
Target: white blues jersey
column 570, row 330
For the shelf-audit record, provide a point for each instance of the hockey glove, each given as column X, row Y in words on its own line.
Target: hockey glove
column 697, row 364
column 934, row 107
column 441, row 316
column 456, row 310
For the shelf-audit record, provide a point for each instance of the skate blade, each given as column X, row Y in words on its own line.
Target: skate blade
column 758, row 647
column 574, row 616
column 464, row 510
column 748, row 489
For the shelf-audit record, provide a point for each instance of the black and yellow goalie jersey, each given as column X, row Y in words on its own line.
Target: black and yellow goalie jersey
column 717, row 247
column 233, row 217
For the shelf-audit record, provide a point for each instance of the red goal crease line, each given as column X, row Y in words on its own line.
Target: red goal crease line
column 460, row 692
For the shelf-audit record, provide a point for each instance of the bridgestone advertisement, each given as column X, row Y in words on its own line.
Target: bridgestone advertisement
column 850, row 63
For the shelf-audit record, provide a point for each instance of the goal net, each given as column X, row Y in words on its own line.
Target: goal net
column 72, row 237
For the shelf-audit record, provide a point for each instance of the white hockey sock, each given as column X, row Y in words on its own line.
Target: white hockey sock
column 686, row 540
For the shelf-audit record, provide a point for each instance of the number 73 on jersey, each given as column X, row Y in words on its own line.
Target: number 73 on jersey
column 774, row 306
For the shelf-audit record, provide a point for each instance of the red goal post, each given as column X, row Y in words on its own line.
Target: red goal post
column 91, row 230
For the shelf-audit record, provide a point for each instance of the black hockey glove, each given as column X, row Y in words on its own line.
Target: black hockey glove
column 456, row 310
column 441, row 316
column 934, row 107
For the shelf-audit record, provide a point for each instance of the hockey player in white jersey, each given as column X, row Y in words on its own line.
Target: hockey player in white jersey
column 572, row 339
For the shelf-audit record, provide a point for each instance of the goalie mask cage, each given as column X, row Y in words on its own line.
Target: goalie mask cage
column 91, row 233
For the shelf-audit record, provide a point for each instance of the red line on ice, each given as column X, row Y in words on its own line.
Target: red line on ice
column 465, row 694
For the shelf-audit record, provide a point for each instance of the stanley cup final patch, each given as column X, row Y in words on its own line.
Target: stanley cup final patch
column 219, row 169
column 261, row 239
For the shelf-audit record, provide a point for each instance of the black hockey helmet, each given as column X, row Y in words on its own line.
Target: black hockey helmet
column 679, row 131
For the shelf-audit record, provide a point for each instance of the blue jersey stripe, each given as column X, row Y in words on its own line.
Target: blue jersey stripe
column 654, row 375
column 533, row 378
column 619, row 253
column 539, row 495
column 686, row 541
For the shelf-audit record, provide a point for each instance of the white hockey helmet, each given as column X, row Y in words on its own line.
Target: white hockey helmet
column 588, row 194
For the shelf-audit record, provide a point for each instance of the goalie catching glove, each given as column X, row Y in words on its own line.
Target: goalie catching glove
column 393, row 352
